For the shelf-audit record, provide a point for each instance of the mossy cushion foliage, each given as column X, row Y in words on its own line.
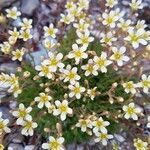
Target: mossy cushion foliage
column 101, row 104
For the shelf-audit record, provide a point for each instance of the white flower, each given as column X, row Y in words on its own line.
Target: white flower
column 101, row 62
column 14, row 33
column 28, row 127
column 92, row 93
column 3, row 125
column 54, row 144
column 4, row 81
column 145, row 83
column 75, row 11
column 141, row 24
column 5, row 48
column 84, row 124
column 140, row 145
column 18, row 54
column 13, row 13
column 50, row 31
column 76, row 90
column 78, row 53
column 43, row 99
column 100, row 125
column 124, row 24
column 135, row 37
column 136, row 4
column 131, row 111
column 70, row 5
column 130, row 87
column 71, row 74
column 119, row 55
column 148, row 124
column 26, row 24
column 67, row 19
column 103, row 137
column 110, row 19
column 90, row 68
column 45, row 70
column 54, row 61
column 48, row 43
column 51, row 108
column 25, row 35
column 63, row 109
column 84, row 38
column 119, row 13
column 83, row 4
column 111, row 3
column 22, row 113
column 12, row 79
column 82, row 26
column 107, row 38
column 15, row 89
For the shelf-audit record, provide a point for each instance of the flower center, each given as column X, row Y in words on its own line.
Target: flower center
column 28, row 125
column 1, row 125
column 99, row 123
column 140, row 145
column 117, row 55
column 45, row 70
column 109, row 20
column 107, row 39
column 54, row 145
column 85, row 40
column 71, row 75
column 44, row 98
column 146, row 83
column 50, row 31
column 134, row 38
column 103, row 136
column 101, row 62
column 63, row 108
column 26, row 35
column 129, row 85
column 131, row 110
column 18, row 54
column 13, row 13
column 76, row 90
column 78, row 53
column 53, row 62
column 90, row 68
column 22, row 113
column 83, row 123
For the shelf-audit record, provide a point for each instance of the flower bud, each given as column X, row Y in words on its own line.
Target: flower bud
column 19, row 69
column 26, row 74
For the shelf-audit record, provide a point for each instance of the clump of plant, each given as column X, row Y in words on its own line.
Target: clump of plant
column 80, row 90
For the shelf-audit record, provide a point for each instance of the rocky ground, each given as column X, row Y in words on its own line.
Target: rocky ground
column 44, row 12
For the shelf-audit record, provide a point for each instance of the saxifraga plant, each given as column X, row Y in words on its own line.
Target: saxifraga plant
column 79, row 90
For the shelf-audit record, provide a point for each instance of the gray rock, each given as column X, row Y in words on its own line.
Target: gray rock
column 80, row 147
column 6, row 113
column 17, row 22
column 4, row 3
column 2, row 95
column 29, row 147
column 28, row 6
column 13, row 146
column 38, row 55
column 91, row 142
column 119, row 138
column 8, row 67
column 17, row 138
column 13, row 104
column 71, row 147
column 147, row 108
